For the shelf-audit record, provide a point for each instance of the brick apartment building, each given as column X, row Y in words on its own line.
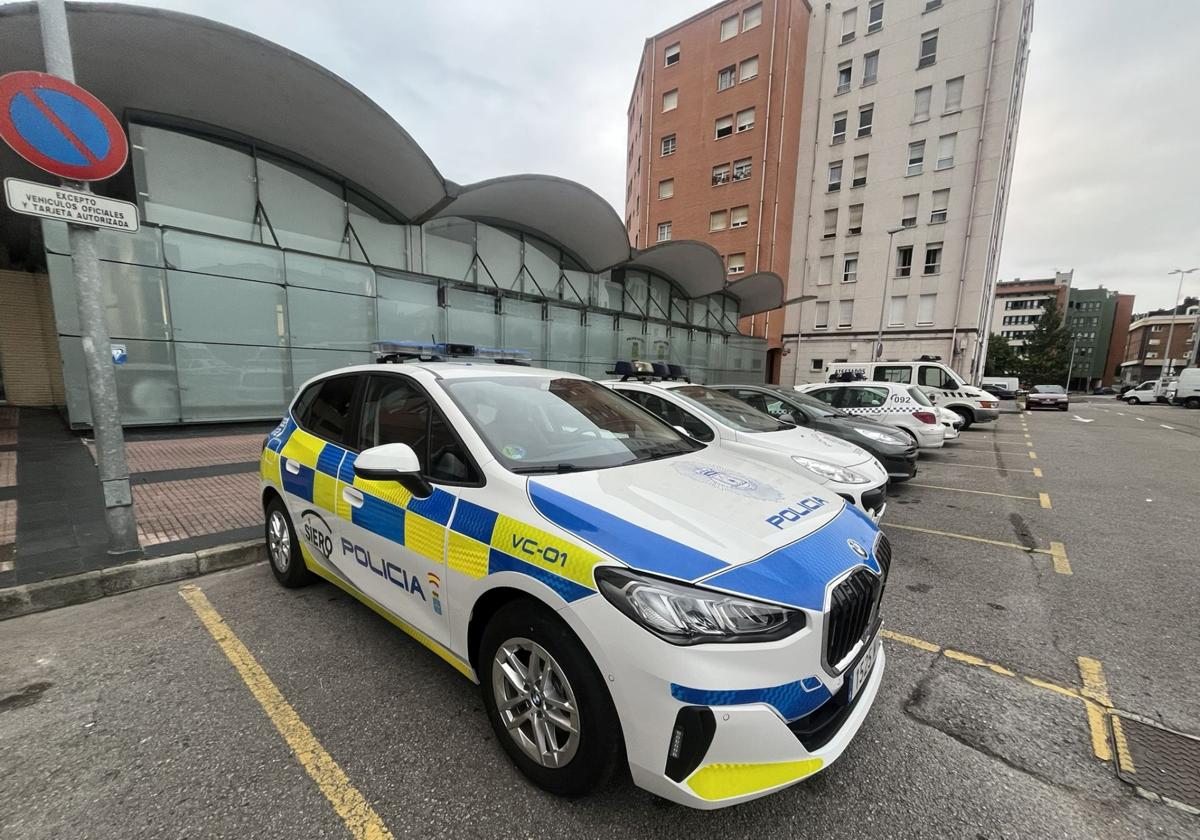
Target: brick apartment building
column 1146, row 348
column 714, row 132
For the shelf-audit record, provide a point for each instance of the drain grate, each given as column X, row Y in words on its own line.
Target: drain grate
column 1156, row 759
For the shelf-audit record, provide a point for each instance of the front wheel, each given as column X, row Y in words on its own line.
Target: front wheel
column 547, row 702
column 283, row 549
column 1132, row 400
column 967, row 417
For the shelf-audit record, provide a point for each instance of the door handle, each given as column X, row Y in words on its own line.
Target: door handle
column 352, row 497
column 292, row 465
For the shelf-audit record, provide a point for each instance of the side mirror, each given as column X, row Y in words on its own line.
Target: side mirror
column 788, row 417
column 932, row 397
column 682, row 431
column 393, row 462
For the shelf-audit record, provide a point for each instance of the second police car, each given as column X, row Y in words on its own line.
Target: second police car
column 622, row 593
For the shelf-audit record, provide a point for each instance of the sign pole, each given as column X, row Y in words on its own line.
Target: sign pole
column 97, row 353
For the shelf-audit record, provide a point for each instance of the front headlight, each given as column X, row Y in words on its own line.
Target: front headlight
column 880, row 437
column 830, row 471
column 688, row 615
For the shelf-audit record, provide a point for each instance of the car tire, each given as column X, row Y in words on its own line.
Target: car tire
column 521, row 630
column 1192, row 402
column 911, row 436
column 967, row 417
column 284, row 555
column 1131, row 400
column 1063, row 407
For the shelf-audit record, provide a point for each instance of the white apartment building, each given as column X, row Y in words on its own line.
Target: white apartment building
column 909, row 124
column 1018, row 305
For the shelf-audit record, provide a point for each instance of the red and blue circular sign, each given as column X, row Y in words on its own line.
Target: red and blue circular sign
column 60, row 127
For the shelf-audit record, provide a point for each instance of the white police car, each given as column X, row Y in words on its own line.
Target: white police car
column 621, row 593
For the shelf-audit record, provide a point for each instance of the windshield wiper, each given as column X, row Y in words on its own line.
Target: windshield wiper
column 547, row 468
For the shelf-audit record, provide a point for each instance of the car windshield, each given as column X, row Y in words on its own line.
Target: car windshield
column 811, row 406
column 1048, row 389
column 541, row 424
column 730, row 410
column 919, row 396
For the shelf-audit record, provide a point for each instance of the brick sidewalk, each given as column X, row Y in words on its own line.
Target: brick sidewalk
column 174, row 511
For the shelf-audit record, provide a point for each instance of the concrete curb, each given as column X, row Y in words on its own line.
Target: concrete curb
column 77, row 589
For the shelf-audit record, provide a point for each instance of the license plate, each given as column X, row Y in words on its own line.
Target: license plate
column 861, row 672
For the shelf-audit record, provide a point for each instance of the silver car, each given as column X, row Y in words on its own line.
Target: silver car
column 1047, row 396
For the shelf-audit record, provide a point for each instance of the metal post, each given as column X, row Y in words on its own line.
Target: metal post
column 1169, row 361
column 1071, row 365
column 97, row 352
column 887, row 270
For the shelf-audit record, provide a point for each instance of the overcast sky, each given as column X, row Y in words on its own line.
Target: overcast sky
column 1107, row 177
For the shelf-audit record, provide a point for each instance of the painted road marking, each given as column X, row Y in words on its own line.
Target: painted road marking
column 1140, row 419
column 360, row 818
column 1032, row 454
column 958, row 447
column 1165, row 426
column 1095, row 691
column 977, row 492
column 1044, row 499
column 1120, row 413
column 1082, row 420
column 1057, row 551
column 978, row 467
column 1037, row 472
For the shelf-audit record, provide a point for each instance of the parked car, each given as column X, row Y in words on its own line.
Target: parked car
column 896, row 452
column 940, row 384
column 1187, row 391
column 950, row 421
column 999, row 391
column 904, row 407
column 1103, row 391
column 1005, row 384
column 722, row 421
column 1047, row 396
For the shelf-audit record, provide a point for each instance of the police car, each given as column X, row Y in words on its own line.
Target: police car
column 714, row 417
column 621, row 593
column 904, row 407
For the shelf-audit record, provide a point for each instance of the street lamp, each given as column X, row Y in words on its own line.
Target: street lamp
column 1169, row 362
column 1071, row 364
column 887, row 271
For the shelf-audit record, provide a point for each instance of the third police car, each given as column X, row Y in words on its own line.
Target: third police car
column 621, row 592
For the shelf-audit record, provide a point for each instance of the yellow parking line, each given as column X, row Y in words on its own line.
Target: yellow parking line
column 1037, row 472
column 1057, row 551
column 1044, row 498
column 360, row 818
column 979, row 467
column 1032, row 454
column 1029, row 445
column 1095, row 692
column 960, row 448
column 910, row 641
column 979, row 492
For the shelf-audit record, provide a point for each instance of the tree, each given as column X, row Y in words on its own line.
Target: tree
column 1047, row 349
column 1002, row 358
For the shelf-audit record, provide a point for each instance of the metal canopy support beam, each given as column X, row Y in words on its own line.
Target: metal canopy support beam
column 97, row 351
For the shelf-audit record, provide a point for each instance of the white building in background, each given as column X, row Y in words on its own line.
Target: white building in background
column 1018, row 305
column 909, row 123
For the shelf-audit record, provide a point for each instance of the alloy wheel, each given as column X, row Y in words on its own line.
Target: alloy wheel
column 535, row 701
column 279, row 541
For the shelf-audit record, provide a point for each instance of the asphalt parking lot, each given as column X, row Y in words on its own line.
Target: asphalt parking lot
column 1044, row 571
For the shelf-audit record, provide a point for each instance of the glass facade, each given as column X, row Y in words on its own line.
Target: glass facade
column 252, row 274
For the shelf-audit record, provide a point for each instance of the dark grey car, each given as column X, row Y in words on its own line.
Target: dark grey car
column 897, row 453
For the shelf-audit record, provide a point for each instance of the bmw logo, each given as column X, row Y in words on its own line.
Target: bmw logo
column 857, row 549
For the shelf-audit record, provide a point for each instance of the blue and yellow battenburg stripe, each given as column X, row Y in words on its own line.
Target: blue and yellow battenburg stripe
column 474, row 540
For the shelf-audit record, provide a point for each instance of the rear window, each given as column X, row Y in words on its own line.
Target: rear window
column 919, row 395
column 324, row 407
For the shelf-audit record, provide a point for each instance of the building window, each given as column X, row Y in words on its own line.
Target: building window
column 825, row 274
column 941, row 201
column 856, row 214
column 870, row 68
column 752, row 17
column 821, row 314
column 921, row 97
column 896, row 307
column 835, row 176
column 933, row 258
column 928, row 54
column 849, row 19
column 718, row 220
column 904, row 261
column 742, row 169
column 666, row 188
column 748, row 69
column 739, row 216
column 850, row 268
column 726, row 78
column 860, row 171
column 839, row 128
column 745, row 120
column 845, row 71
column 908, row 211
column 724, row 126
column 664, row 231
column 830, row 223
column 916, row 158
column 954, row 92
column 668, row 145
column 671, row 55
column 720, row 174
column 875, row 16
column 670, row 100
column 817, row 364
column 866, row 114
column 729, row 27
column 945, row 150
column 930, row 5
column 737, row 263
column 925, row 307
column 845, row 314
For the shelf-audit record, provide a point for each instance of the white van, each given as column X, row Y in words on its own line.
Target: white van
column 943, row 386
column 1187, row 389
column 1008, row 383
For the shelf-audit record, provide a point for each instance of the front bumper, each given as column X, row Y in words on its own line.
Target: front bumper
column 986, row 415
column 1032, row 403
column 747, row 748
column 900, row 467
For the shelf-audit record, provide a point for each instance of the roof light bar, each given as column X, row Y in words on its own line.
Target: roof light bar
column 409, row 351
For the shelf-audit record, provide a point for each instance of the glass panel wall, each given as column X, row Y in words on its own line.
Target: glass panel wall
column 330, row 320
column 499, row 257
column 250, row 313
column 206, row 255
column 471, row 318
column 134, row 298
column 408, row 309
column 231, row 381
column 450, row 249
column 147, row 389
column 541, row 269
column 566, row 350
column 376, row 238
column 307, row 212
column 524, row 328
